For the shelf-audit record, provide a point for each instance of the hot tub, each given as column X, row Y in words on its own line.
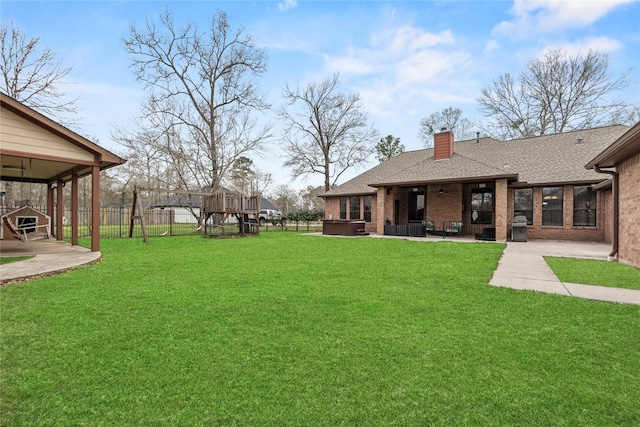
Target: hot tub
column 342, row 227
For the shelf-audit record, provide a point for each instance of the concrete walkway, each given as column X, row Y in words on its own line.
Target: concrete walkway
column 523, row 267
column 50, row 257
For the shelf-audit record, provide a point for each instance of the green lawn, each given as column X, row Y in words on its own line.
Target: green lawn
column 287, row 329
column 10, row 259
column 595, row 272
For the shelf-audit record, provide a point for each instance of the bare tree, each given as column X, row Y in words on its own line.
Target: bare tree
column 326, row 131
column 146, row 164
column 558, row 93
column 388, row 147
column 32, row 75
column 285, row 199
column 201, row 95
column 310, row 198
column 451, row 119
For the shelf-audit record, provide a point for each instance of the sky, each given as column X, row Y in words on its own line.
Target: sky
column 406, row 59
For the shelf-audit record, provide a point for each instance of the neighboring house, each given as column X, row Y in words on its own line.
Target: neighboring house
column 34, row 148
column 622, row 160
column 184, row 209
column 484, row 183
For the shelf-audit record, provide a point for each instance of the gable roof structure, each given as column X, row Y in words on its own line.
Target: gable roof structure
column 39, row 149
column 548, row 159
column 623, row 148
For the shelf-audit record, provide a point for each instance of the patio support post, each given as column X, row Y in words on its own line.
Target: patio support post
column 380, row 209
column 75, row 218
column 95, row 209
column 59, row 209
column 502, row 210
column 50, row 200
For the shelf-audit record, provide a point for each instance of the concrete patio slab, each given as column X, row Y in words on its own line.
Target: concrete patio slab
column 50, row 257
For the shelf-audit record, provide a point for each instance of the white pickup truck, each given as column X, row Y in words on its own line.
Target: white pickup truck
column 270, row 215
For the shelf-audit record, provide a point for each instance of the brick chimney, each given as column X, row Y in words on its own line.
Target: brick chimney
column 443, row 145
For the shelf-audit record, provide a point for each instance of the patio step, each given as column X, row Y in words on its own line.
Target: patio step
column 362, row 232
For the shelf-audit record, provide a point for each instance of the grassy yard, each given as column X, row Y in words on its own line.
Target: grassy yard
column 287, row 329
column 10, row 259
column 595, row 272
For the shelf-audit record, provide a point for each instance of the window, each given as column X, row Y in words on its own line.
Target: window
column 354, row 210
column 367, row 208
column 343, row 208
column 552, row 206
column 523, row 203
column 584, row 205
column 481, row 206
column 416, row 206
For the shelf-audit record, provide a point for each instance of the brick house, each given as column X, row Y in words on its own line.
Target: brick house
column 622, row 160
column 484, row 183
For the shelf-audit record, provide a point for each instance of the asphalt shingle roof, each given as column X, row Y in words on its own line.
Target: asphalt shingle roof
column 538, row 160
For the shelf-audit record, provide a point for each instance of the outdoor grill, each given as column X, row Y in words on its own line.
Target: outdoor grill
column 519, row 229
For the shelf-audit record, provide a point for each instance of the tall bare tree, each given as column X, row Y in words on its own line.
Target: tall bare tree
column 449, row 118
column 558, row 93
column 326, row 131
column 202, row 94
column 34, row 76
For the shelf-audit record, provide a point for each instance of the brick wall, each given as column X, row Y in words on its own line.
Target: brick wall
column 502, row 217
column 605, row 199
column 445, row 206
column 629, row 211
column 332, row 208
column 566, row 231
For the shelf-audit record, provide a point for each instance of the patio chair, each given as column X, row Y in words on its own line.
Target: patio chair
column 428, row 226
column 28, row 231
column 453, row 228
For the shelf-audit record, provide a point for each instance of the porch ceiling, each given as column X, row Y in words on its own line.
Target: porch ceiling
column 16, row 168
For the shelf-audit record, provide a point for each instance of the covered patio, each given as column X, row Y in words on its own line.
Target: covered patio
column 35, row 149
column 475, row 209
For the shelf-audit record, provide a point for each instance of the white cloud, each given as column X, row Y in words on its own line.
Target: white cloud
column 601, row 44
column 403, row 73
column 545, row 16
column 287, row 4
column 491, row 46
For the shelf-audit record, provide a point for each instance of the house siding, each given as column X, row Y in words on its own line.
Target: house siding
column 18, row 134
column 629, row 211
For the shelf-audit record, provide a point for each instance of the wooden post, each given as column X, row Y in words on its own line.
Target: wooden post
column 95, row 209
column 140, row 216
column 59, row 210
column 75, row 218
